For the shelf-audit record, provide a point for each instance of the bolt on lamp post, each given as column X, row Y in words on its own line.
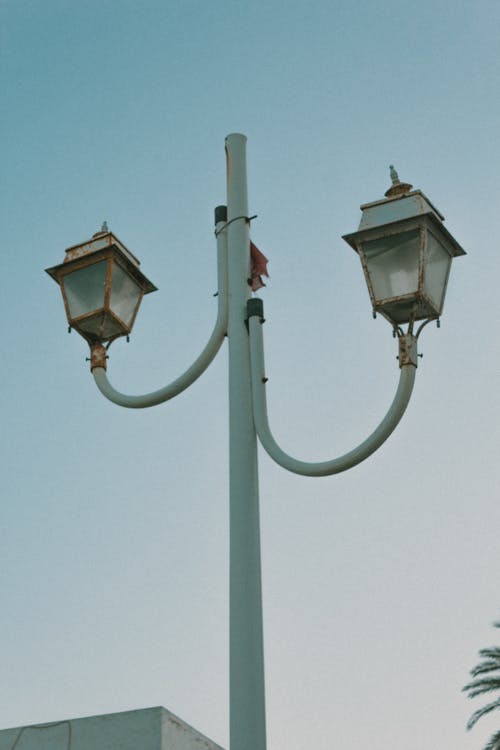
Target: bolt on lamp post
column 406, row 255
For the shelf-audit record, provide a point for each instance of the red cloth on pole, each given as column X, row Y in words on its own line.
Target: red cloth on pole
column 258, row 267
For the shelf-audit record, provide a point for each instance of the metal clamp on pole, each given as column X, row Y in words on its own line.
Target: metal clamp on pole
column 255, row 308
column 408, row 354
column 98, row 357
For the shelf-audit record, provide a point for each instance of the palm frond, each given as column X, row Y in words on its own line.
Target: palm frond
column 492, row 652
column 494, row 742
column 482, row 712
column 481, row 686
column 484, row 667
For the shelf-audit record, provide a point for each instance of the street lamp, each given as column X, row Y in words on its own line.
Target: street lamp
column 406, row 254
column 102, row 287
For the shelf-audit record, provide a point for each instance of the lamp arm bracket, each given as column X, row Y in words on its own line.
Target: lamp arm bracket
column 407, row 363
column 98, row 353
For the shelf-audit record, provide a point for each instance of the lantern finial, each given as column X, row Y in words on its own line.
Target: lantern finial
column 103, row 230
column 397, row 188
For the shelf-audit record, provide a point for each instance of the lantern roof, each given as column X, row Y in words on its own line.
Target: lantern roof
column 100, row 241
column 101, row 244
column 401, row 204
column 387, row 210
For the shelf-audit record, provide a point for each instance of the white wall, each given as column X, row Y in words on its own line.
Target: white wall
column 146, row 729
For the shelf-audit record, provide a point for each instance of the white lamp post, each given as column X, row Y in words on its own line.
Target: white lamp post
column 406, row 255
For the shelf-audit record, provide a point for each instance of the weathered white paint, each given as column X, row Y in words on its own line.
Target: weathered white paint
column 388, row 210
column 145, row 729
column 247, row 721
column 408, row 364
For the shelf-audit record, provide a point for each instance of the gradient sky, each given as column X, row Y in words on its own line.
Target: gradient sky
column 380, row 584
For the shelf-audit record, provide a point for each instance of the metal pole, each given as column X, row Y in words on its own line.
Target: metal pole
column 247, row 702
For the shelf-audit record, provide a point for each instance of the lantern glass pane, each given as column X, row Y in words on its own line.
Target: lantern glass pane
column 393, row 264
column 85, row 288
column 103, row 326
column 125, row 294
column 437, row 268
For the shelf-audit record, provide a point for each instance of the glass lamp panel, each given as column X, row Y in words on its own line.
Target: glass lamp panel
column 85, row 288
column 437, row 267
column 125, row 294
column 102, row 326
column 393, row 264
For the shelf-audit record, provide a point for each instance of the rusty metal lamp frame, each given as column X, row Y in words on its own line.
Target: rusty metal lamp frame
column 404, row 210
column 103, row 247
column 240, row 317
column 424, row 308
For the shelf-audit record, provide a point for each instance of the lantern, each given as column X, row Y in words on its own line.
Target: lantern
column 406, row 254
column 102, row 287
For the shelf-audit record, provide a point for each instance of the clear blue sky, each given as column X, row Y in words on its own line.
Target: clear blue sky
column 379, row 584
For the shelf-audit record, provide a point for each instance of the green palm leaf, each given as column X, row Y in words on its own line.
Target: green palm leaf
column 493, row 652
column 486, row 679
column 484, row 667
column 482, row 712
column 494, row 742
column 481, row 686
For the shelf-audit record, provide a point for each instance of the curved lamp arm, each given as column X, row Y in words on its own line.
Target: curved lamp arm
column 408, row 365
column 199, row 365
